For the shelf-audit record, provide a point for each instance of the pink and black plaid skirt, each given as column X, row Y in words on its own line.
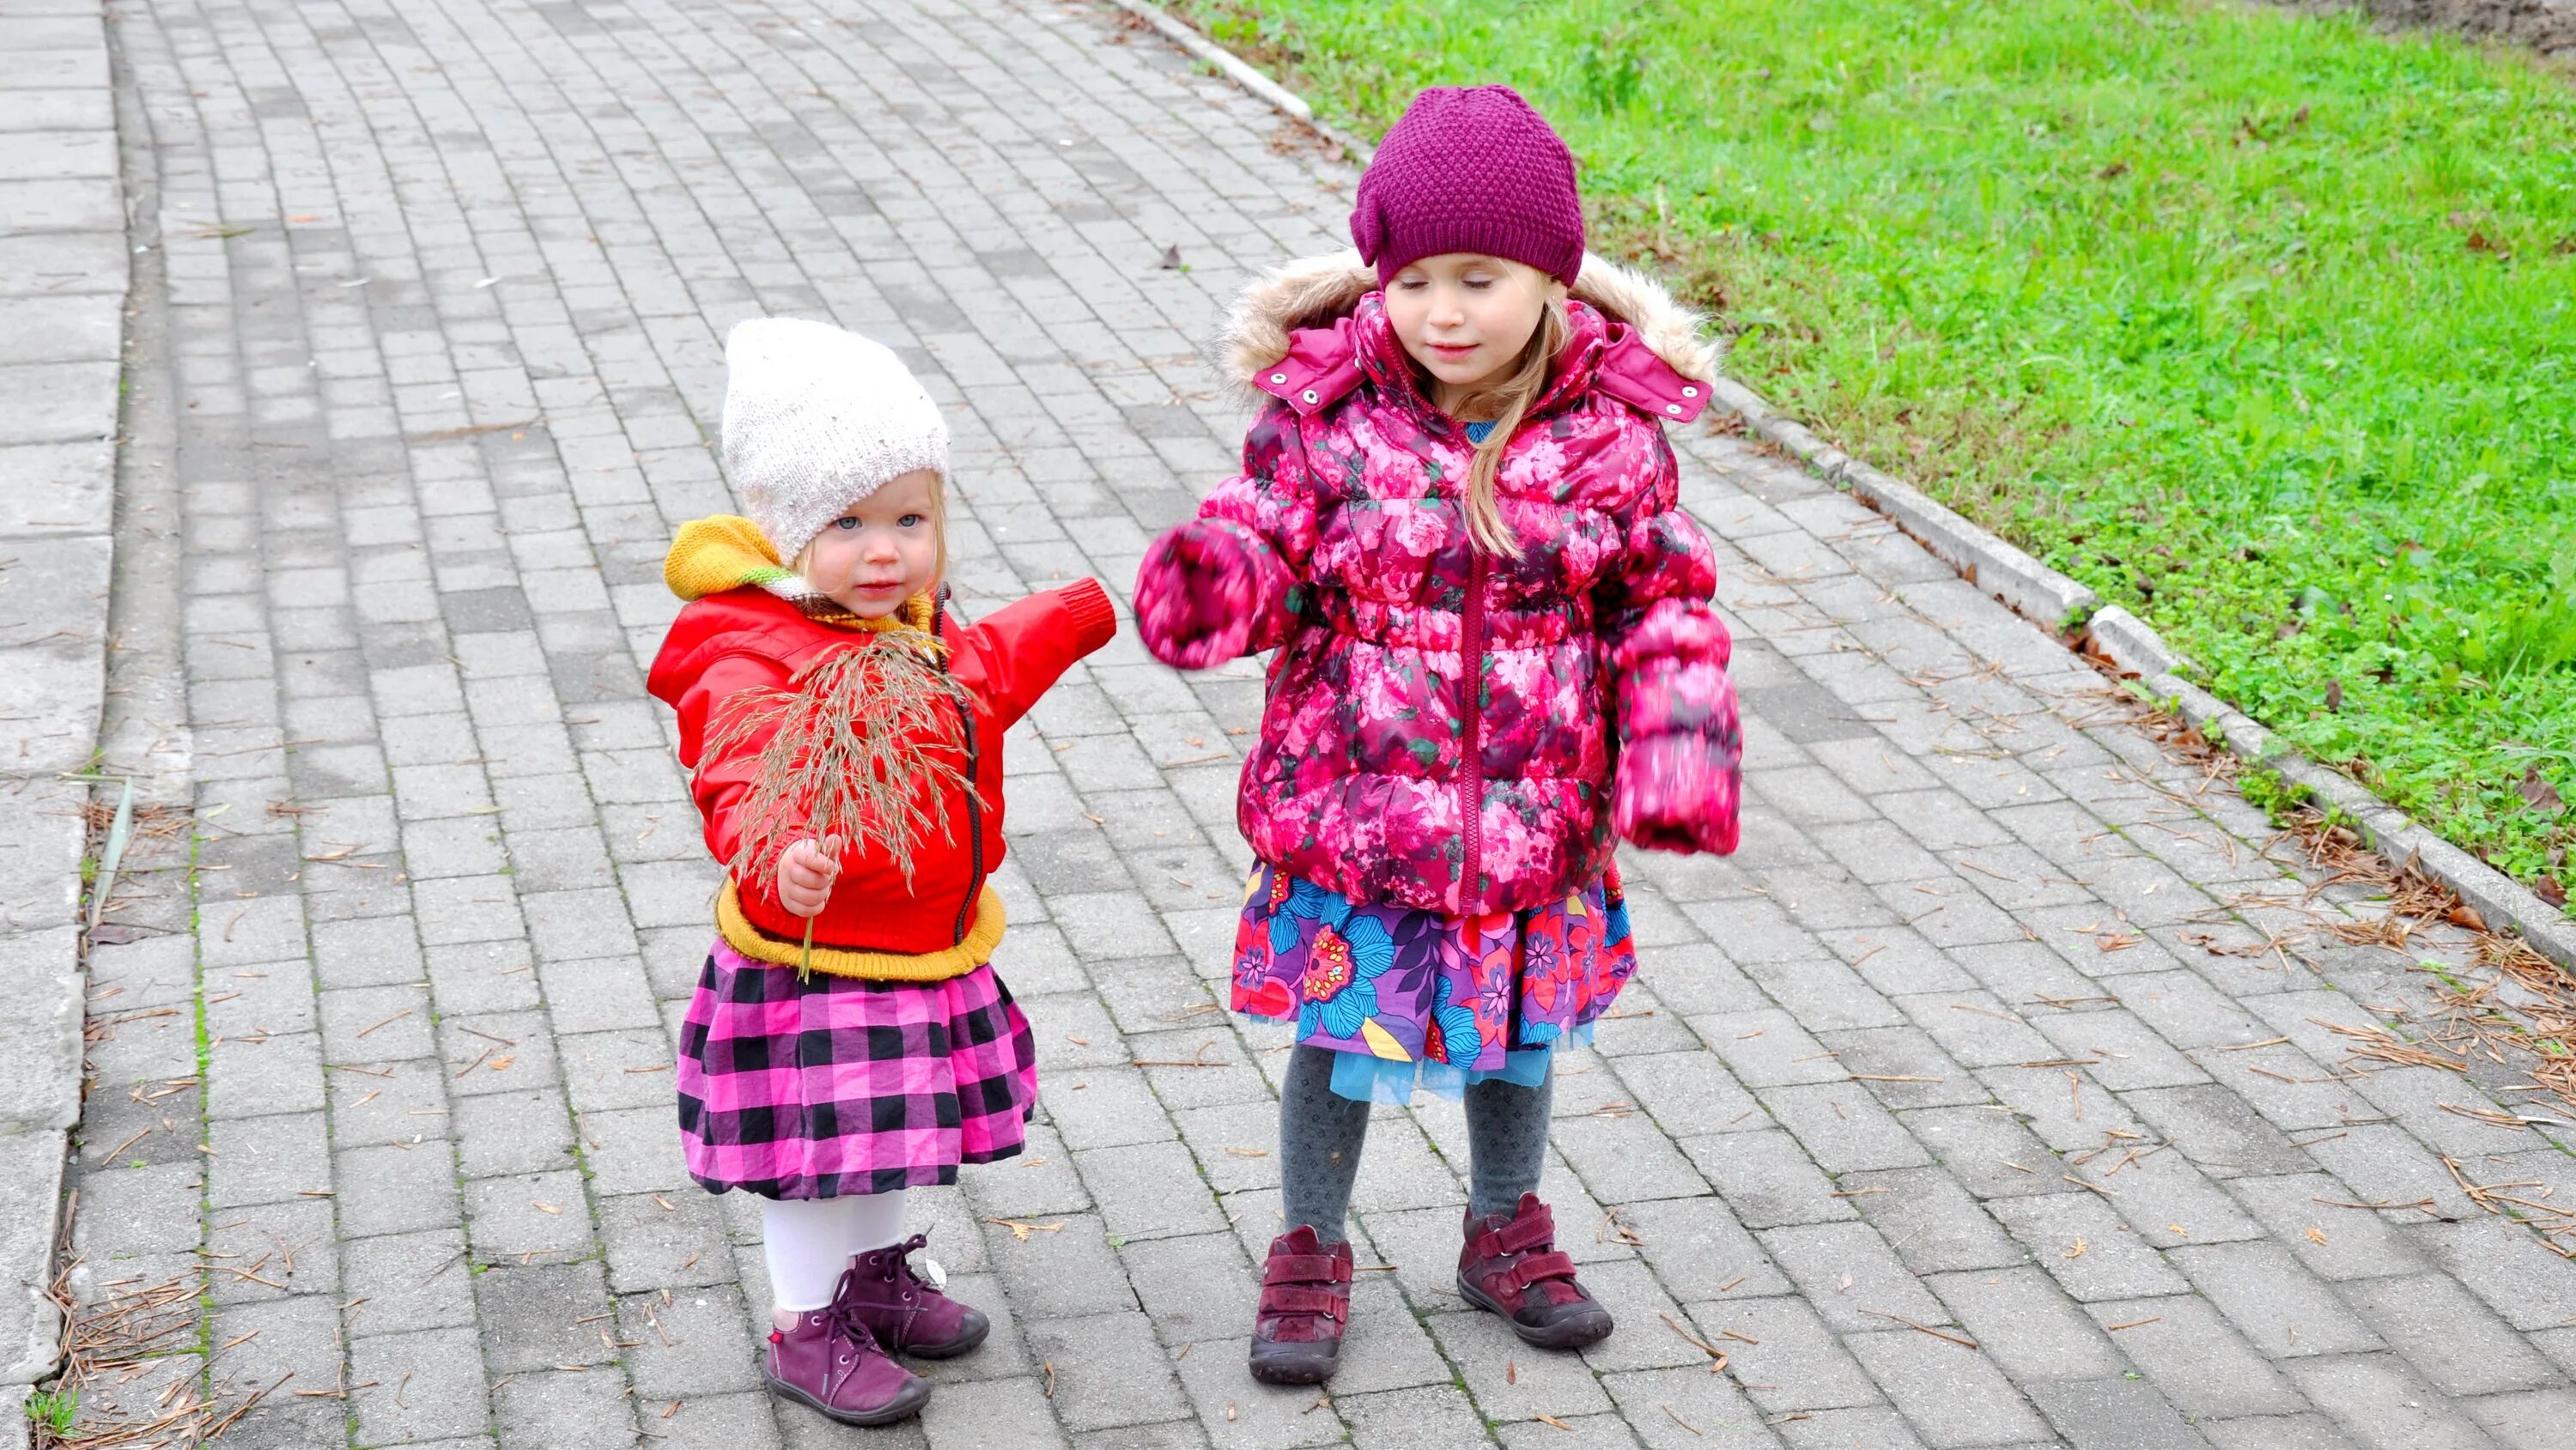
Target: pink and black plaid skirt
column 836, row 1086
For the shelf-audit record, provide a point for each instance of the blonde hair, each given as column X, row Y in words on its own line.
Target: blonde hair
column 1508, row 403
column 938, row 531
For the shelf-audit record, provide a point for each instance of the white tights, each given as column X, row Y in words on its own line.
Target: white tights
column 809, row 1241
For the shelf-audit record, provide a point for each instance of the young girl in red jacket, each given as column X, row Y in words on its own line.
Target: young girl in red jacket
column 849, row 1038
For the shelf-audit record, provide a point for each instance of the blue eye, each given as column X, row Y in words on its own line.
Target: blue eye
column 912, row 521
column 845, row 523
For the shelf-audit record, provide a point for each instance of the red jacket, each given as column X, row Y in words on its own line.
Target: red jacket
column 944, row 921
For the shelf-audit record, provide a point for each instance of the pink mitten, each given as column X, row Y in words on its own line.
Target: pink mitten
column 1678, row 793
column 1195, row 596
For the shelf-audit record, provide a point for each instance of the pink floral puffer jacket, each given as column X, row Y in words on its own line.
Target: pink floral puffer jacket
column 1599, row 700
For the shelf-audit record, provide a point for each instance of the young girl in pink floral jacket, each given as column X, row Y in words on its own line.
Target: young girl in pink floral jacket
column 1457, row 526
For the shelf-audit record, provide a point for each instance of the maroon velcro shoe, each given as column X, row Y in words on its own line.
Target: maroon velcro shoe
column 1305, row 1305
column 1511, row 1265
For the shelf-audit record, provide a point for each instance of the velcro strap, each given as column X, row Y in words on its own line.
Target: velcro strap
column 1542, row 1266
column 1527, row 1232
column 1306, row 1269
column 1289, row 1299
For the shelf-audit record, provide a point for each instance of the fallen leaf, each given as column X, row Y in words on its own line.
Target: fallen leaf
column 2316, row 1235
column 2076, row 1251
column 501, row 1064
column 2539, row 794
column 544, row 1207
column 2175, row 1228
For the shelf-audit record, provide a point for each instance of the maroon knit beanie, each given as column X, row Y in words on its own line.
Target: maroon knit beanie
column 1470, row 169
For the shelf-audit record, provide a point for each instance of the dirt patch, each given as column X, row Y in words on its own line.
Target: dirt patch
column 2547, row 26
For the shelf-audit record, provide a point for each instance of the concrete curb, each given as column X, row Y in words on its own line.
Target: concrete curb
column 1244, row 74
column 63, row 285
column 2051, row 600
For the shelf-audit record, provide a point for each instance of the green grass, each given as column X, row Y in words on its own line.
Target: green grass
column 55, row 1410
column 2258, row 323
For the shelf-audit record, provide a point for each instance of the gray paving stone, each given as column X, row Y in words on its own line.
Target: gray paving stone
column 2280, row 1308
column 2027, row 1324
column 1508, row 1379
column 1109, row 1370
column 566, row 1407
column 1200, row 1287
column 2113, row 1412
column 1012, row 1411
column 1840, row 1429
column 2539, row 1418
column 1766, row 1178
column 1843, row 1128
column 1847, row 1272
column 1428, row 1418
column 2505, row 1266
column 698, row 1343
column 2285, row 1432
column 398, row 1187
column 2451, row 1339
column 1987, row 1150
column 2112, row 1263
column 2381, row 1404
column 422, row 1385
column 1674, row 1407
column 1954, row 1395
column 543, row 1316
column 1625, row 1158
column 2195, row 1357
column 1685, row 1093
column 1931, row 1221
column 1784, row 1355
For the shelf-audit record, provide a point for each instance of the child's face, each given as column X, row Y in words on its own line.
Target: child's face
column 882, row 551
column 1466, row 317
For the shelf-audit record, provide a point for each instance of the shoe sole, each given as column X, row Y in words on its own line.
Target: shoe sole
column 1571, row 1334
column 1273, row 1374
column 949, row 1351
column 906, row 1403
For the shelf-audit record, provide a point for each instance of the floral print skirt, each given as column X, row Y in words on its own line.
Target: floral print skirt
column 1416, row 998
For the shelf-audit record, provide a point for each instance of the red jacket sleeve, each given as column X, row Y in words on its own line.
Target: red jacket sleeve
column 718, row 783
column 1020, row 649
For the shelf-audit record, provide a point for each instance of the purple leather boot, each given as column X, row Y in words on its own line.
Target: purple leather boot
column 906, row 1311
column 831, row 1363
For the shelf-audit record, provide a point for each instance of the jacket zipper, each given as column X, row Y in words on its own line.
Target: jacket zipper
column 1471, row 776
column 974, row 818
column 974, row 778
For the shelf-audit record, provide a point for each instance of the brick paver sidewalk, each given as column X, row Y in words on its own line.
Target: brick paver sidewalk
column 1982, row 1040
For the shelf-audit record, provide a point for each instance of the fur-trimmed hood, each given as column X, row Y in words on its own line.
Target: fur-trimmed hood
column 1315, row 292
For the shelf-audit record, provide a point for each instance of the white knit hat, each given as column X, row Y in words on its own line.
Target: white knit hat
column 816, row 419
